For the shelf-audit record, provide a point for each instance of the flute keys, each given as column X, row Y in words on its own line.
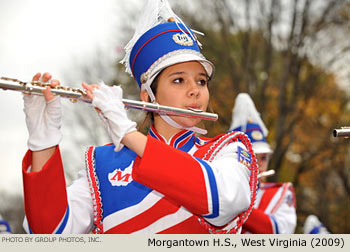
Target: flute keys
column 73, row 100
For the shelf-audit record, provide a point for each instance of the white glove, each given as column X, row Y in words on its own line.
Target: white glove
column 109, row 101
column 43, row 121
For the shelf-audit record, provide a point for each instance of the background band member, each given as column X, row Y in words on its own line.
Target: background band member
column 274, row 210
column 4, row 226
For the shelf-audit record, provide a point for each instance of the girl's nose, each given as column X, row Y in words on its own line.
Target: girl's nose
column 193, row 89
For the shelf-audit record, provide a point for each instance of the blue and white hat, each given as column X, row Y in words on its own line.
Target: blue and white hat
column 247, row 119
column 162, row 46
column 256, row 137
column 161, row 40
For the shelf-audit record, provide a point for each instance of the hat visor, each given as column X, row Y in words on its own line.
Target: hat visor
column 181, row 58
column 261, row 147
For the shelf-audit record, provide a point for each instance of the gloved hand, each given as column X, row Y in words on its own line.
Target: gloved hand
column 109, row 101
column 43, row 119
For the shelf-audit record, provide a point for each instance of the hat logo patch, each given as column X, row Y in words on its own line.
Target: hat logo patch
column 182, row 39
column 257, row 135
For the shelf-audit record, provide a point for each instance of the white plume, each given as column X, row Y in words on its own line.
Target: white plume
column 245, row 111
column 154, row 12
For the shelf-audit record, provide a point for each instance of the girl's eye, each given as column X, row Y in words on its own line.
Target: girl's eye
column 203, row 82
column 178, row 80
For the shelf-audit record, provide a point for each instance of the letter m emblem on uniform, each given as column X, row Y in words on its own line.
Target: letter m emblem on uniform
column 121, row 177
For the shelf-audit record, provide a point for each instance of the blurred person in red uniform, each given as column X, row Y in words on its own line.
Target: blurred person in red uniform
column 274, row 210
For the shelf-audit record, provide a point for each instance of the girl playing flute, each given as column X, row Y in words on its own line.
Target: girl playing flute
column 170, row 181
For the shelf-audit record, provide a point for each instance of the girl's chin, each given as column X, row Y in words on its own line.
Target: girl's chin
column 186, row 121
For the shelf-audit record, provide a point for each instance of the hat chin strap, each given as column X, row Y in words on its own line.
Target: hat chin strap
column 166, row 118
column 171, row 122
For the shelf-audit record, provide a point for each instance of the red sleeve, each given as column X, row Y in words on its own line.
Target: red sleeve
column 45, row 197
column 258, row 223
column 174, row 173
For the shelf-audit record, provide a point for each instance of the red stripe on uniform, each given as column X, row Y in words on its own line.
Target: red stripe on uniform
column 279, row 202
column 159, row 210
column 160, row 138
column 97, row 203
column 266, row 198
column 176, row 136
column 188, row 226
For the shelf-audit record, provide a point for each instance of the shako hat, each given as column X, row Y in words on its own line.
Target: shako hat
column 246, row 118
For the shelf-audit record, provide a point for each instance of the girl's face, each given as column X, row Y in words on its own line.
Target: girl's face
column 184, row 85
column 263, row 162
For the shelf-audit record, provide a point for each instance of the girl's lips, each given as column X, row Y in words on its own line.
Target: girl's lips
column 194, row 108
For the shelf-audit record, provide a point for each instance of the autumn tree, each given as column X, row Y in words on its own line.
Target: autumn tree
column 285, row 55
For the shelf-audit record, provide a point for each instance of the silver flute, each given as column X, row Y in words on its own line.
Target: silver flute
column 265, row 174
column 342, row 132
column 76, row 94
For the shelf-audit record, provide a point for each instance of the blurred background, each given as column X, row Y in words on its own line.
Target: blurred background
column 291, row 56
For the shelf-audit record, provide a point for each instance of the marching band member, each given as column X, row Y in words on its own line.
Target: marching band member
column 313, row 225
column 159, row 183
column 274, row 210
column 4, row 226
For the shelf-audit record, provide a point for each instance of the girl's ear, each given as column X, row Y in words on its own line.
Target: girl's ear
column 144, row 96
